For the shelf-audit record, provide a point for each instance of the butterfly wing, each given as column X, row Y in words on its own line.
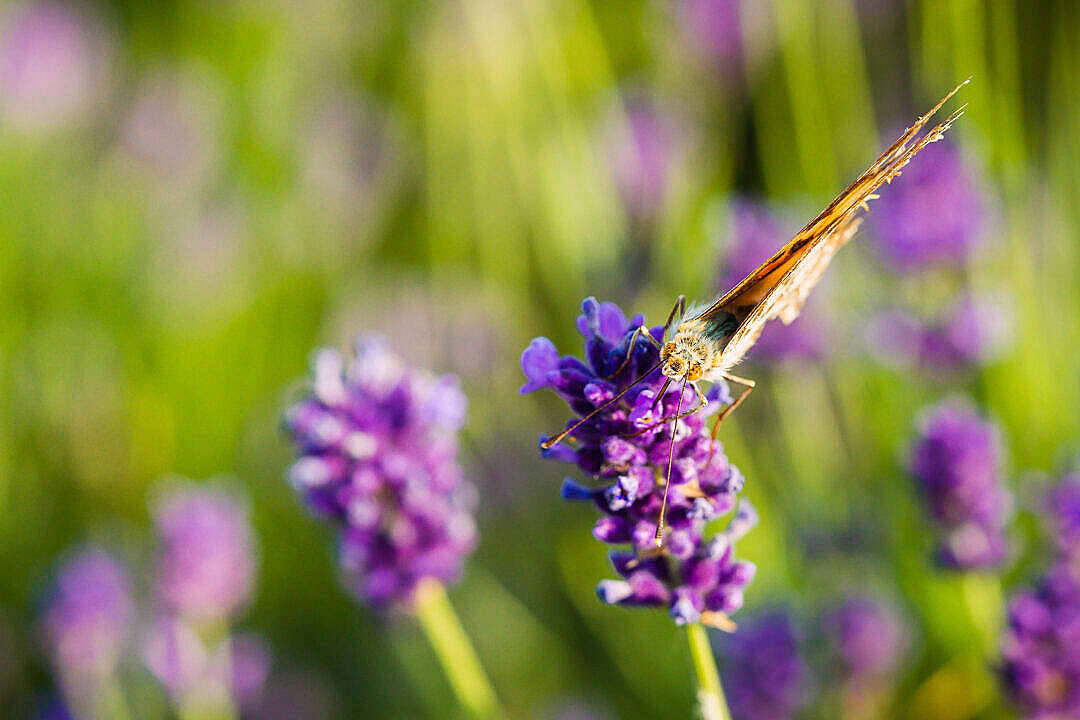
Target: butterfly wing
column 779, row 287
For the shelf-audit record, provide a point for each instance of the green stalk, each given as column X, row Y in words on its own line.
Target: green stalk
column 455, row 652
column 711, row 693
column 112, row 702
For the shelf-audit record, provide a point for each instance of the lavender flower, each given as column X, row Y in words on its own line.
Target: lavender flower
column 377, row 445
column 1063, row 513
column 222, row 673
column 1041, row 649
column 87, row 616
column 867, row 637
column 643, row 145
column 626, row 448
column 974, row 332
column 754, row 234
column 957, row 462
column 206, row 568
column 933, row 214
column 174, row 653
column 53, row 709
column 712, row 29
column 173, row 127
column 764, row 673
column 52, row 65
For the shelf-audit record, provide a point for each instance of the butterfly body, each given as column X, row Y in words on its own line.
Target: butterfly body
column 696, row 351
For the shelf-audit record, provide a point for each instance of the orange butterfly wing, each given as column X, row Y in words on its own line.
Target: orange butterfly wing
column 780, row 285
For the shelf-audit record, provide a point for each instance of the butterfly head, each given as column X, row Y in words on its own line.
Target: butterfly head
column 685, row 356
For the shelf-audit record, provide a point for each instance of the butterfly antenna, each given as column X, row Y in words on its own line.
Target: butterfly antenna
column 659, row 538
column 551, row 442
column 663, row 389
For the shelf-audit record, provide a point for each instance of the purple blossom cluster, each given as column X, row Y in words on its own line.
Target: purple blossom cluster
column 204, row 578
column 204, row 575
column 1063, row 514
column 643, row 146
column 973, row 332
column 87, row 618
column 1040, row 666
column 866, row 640
column 957, row 462
column 625, row 448
column 53, row 63
column 867, row 637
column 933, row 214
column 754, row 233
column 377, row 447
column 764, row 673
column 1041, row 650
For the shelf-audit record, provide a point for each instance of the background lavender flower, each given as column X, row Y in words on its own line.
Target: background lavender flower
column 643, row 147
column 933, row 213
column 378, row 443
column 957, row 462
column 763, row 671
column 1063, row 513
column 626, row 448
column 712, row 30
column 1041, row 650
column 206, row 567
column 973, row 332
column 173, row 128
column 867, row 637
column 52, row 65
column 87, row 616
column 752, row 235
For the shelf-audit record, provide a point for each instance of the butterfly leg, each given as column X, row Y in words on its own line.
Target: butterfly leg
column 677, row 311
column 640, row 332
column 748, row 386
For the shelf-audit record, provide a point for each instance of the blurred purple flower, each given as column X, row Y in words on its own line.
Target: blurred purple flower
column 249, row 661
column 867, row 636
column 1041, row 649
column 206, row 568
column 957, row 462
column 643, row 146
column 87, row 616
column 753, row 235
column 294, row 693
column 1063, row 512
column 974, row 332
column 174, row 654
column 933, row 214
column 713, row 31
column 763, row 671
column 694, row 578
column 377, row 446
column 173, row 127
column 352, row 156
column 53, row 62
column 230, row 671
column 53, row 709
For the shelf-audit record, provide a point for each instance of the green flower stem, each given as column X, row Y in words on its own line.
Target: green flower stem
column 713, row 704
column 455, row 652
column 112, row 702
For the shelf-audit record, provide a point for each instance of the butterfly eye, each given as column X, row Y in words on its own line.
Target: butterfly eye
column 695, row 373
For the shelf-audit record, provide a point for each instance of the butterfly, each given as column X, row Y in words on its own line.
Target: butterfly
column 709, row 342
